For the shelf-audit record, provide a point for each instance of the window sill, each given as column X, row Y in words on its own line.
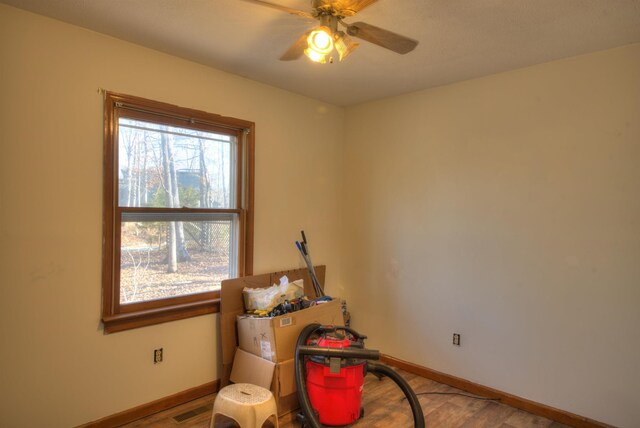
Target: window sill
column 131, row 320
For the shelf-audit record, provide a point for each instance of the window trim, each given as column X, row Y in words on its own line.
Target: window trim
column 116, row 317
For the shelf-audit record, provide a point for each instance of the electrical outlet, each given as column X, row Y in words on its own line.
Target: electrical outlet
column 157, row 356
column 456, row 339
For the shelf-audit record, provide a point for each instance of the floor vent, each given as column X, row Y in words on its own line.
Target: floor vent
column 192, row 413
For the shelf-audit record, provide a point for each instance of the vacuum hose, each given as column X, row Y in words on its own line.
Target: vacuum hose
column 368, row 354
column 381, row 369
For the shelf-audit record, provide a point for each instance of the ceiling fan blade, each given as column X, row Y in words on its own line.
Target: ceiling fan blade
column 381, row 37
column 281, row 8
column 297, row 49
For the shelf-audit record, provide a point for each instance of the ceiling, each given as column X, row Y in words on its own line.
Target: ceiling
column 458, row 39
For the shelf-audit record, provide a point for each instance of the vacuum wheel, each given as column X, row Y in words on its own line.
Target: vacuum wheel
column 302, row 419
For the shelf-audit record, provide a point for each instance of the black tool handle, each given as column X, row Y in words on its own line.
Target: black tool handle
column 365, row 354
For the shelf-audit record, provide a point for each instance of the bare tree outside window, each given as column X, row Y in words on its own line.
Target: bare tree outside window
column 170, row 167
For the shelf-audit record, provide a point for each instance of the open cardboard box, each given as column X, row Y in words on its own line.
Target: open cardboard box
column 274, row 337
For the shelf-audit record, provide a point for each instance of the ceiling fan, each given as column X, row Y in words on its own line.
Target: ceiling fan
column 319, row 42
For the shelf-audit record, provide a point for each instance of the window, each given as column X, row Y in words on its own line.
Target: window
column 177, row 210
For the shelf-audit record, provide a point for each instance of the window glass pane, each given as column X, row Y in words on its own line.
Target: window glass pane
column 174, row 167
column 161, row 259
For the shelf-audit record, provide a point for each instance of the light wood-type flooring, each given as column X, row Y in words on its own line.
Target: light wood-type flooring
column 384, row 406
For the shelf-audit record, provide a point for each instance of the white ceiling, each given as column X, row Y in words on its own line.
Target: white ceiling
column 458, row 39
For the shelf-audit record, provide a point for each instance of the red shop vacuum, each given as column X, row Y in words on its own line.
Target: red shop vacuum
column 331, row 363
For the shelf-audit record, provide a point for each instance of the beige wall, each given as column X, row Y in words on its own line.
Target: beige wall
column 505, row 209
column 57, row 369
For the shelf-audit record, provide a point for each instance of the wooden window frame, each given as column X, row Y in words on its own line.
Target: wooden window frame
column 118, row 317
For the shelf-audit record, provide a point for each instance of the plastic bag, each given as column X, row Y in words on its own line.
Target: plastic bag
column 263, row 299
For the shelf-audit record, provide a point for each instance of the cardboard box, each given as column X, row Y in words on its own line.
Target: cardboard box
column 249, row 369
column 274, row 339
column 232, row 305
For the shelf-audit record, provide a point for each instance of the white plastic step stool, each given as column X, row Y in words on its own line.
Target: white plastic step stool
column 249, row 405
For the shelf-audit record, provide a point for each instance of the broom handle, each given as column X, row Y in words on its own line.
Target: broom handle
column 314, row 279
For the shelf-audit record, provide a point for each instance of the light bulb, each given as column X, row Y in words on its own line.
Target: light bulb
column 320, row 43
column 315, row 56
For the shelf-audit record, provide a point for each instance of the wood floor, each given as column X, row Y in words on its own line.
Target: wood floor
column 384, row 406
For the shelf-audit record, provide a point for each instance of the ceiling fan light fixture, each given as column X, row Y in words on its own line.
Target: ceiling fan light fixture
column 320, row 44
column 344, row 45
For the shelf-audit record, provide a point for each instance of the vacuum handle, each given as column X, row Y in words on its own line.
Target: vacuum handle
column 366, row 354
